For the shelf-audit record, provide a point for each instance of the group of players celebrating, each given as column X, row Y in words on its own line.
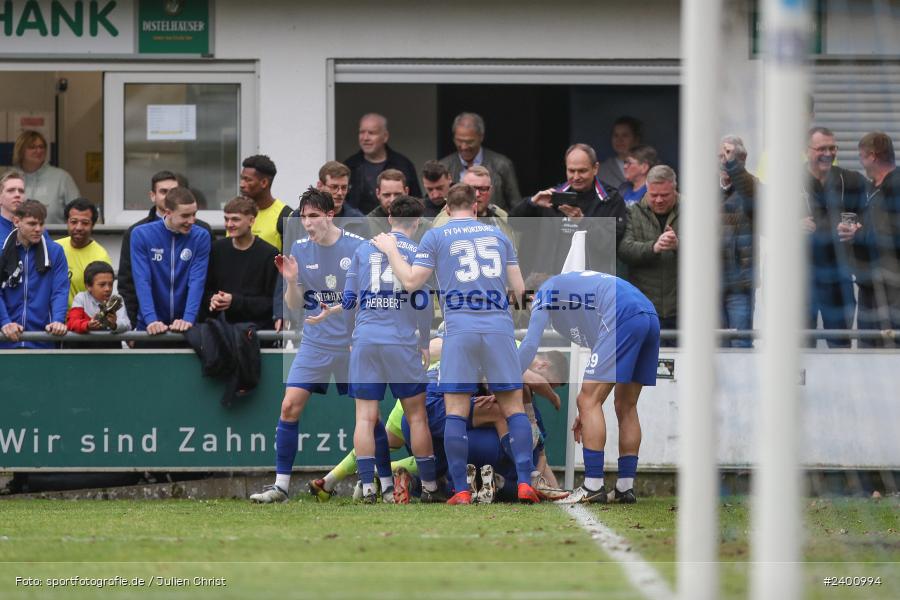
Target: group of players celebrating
column 464, row 410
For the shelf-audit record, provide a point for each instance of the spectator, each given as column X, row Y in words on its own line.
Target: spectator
column 34, row 281
column 592, row 200
column 169, row 258
column 257, row 174
column 45, row 183
column 160, row 185
column 637, row 164
column 375, row 157
column 626, row 134
column 877, row 245
column 334, row 178
column 650, row 245
column 98, row 276
column 80, row 247
column 12, row 194
column 830, row 191
column 480, row 179
column 738, row 239
column 242, row 277
column 437, row 181
column 468, row 134
column 391, row 184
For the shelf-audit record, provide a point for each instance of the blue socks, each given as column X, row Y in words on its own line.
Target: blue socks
column 366, row 467
column 593, row 469
column 427, row 469
column 382, row 451
column 285, row 446
column 628, row 466
column 520, row 442
column 506, row 447
column 456, row 446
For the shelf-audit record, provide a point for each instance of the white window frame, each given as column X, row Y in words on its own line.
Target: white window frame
column 114, row 133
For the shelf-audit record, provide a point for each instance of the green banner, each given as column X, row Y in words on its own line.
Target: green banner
column 129, row 410
column 173, row 27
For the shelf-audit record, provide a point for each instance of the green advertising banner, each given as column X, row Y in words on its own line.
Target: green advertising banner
column 174, row 27
column 142, row 410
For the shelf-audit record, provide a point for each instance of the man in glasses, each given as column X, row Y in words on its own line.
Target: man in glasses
column 334, row 178
column 830, row 191
column 479, row 178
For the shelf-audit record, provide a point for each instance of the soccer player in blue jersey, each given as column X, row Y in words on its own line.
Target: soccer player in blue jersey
column 389, row 322
column 474, row 263
column 314, row 275
column 620, row 325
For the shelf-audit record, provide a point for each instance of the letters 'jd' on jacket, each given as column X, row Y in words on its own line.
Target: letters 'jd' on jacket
column 169, row 271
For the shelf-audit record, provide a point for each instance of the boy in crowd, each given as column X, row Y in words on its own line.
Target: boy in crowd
column 84, row 316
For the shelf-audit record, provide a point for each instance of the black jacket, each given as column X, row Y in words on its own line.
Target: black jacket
column 126, row 283
column 550, row 237
column 228, row 351
column 364, row 199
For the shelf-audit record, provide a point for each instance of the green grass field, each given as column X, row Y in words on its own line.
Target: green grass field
column 342, row 550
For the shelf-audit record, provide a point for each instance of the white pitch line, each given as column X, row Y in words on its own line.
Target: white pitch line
column 640, row 573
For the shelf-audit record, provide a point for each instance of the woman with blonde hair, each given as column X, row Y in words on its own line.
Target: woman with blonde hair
column 51, row 185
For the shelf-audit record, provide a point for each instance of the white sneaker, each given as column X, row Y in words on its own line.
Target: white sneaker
column 485, row 494
column 269, row 495
column 582, row 495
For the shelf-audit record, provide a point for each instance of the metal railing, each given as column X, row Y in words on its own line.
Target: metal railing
column 886, row 335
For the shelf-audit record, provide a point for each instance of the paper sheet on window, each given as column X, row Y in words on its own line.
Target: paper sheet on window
column 171, row 122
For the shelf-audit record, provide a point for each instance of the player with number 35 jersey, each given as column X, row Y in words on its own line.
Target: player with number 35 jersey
column 475, row 265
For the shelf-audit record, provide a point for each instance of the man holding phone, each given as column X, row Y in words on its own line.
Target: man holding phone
column 570, row 207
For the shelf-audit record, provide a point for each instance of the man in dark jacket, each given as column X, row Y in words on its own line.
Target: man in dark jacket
column 552, row 234
column 650, row 245
column 739, row 190
column 374, row 157
column 830, row 191
column 160, row 184
column 468, row 134
column 876, row 239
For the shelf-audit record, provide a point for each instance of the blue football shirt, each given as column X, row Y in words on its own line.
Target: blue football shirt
column 581, row 306
column 470, row 260
column 385, row 313
column 323, row 274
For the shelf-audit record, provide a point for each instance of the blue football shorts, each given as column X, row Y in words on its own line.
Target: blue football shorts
column 314, row 367
column 468, row 356
column 629, row 354
column 374, row 367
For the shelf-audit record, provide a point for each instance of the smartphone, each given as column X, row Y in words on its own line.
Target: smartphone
column 559, row 198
